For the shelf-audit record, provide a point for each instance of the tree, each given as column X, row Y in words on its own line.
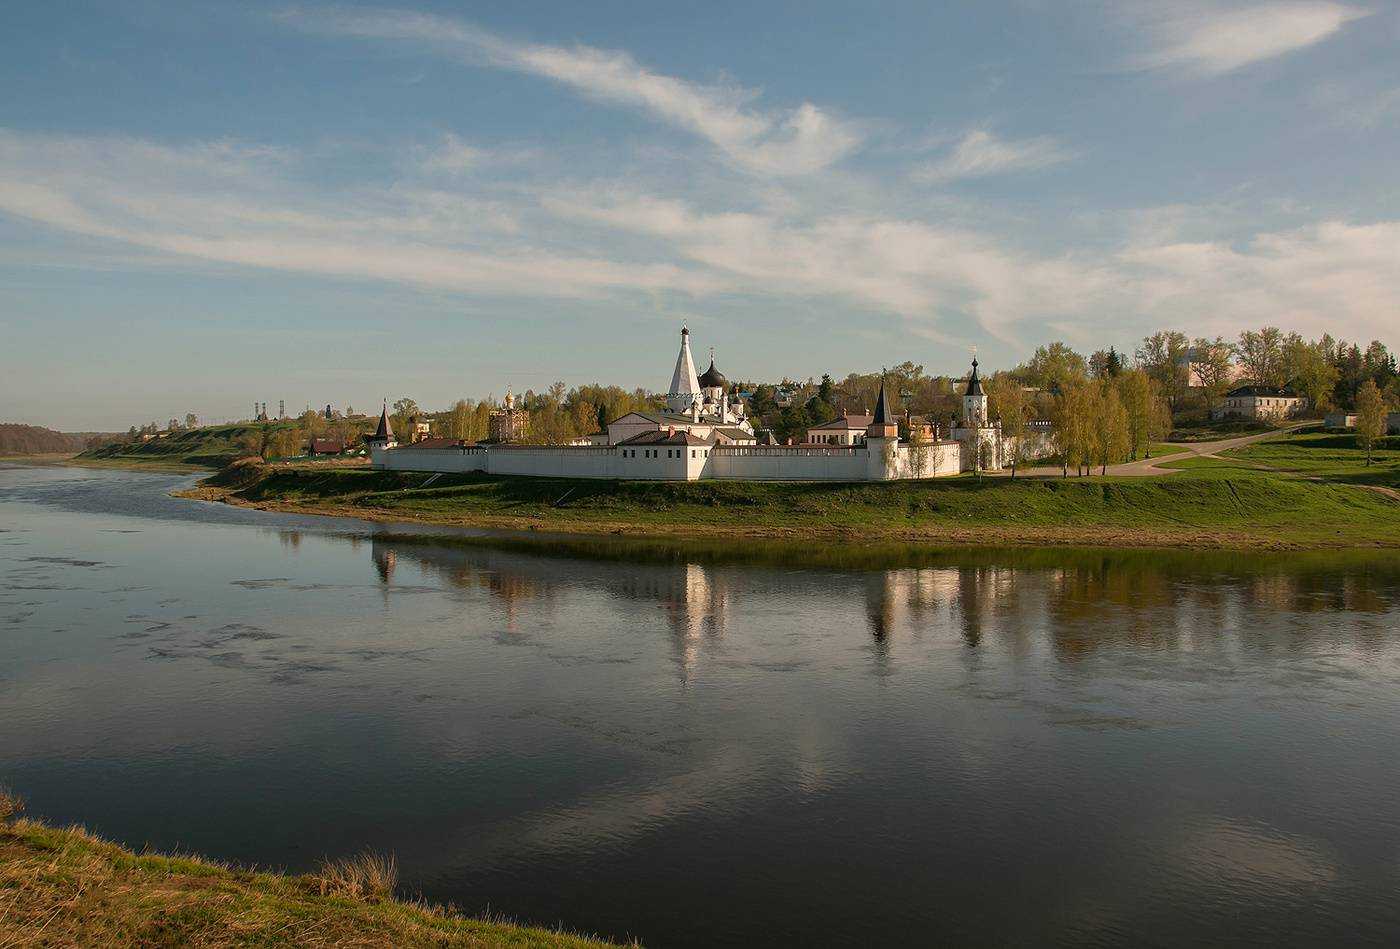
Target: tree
column 1054, row 367
column 1261, row 355
column 918, row 451
column 1111, row 431
column 256, row 441
column 1309, row 371
column 191, row 420
column 1165, row 357
column 1008, row 400
column 1370, row 417
column 1073, row 420
column 1105, row 365
column 1212, row 362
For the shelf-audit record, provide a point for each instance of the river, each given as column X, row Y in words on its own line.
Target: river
column 701, row 748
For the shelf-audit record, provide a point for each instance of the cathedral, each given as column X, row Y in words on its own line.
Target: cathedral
column 705, row 397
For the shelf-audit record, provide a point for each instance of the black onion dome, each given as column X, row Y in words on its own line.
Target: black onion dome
column 713, row 378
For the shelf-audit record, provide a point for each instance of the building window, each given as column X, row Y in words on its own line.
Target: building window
column 692, row 453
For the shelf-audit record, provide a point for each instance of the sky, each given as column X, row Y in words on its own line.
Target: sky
column 204, row 204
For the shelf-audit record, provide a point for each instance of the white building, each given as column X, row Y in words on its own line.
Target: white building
column 846, row 430
column 1266, row 403
column 1340, row 420
column 980, row 437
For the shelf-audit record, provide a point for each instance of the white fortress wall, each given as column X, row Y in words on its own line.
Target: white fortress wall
column 772, row 463
column 680, row 463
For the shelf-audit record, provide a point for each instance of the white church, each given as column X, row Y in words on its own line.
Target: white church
column 706, row 434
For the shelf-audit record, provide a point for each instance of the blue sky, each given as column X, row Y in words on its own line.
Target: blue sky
column 207, row 204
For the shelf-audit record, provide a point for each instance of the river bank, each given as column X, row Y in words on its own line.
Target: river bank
column 1197, row 508
column 65, row 886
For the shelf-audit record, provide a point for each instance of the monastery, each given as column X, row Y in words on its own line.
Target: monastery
column 705, row 434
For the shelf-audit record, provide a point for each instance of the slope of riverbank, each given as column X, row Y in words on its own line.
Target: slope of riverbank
column 65, row 887
column 1250, row 510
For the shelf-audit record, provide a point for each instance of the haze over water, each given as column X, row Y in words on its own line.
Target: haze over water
column 980, row 748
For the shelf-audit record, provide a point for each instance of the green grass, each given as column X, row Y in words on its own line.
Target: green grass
column 65, row 887
column 1163, row 449
column 1207, row 431
column 1317, row 453
column 1213, row 502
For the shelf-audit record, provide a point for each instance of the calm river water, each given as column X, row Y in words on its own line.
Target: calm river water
column 979, row 748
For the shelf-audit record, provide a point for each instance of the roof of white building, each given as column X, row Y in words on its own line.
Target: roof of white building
column 664, row 438
column 845, row 423
column 1276, row 392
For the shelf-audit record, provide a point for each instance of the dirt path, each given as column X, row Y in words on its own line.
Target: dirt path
column 1148, row 467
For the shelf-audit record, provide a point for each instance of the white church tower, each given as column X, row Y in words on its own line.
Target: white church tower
column 974, row 401
column 685, row 387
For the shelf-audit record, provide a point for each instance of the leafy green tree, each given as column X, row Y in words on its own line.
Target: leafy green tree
column 1212, row 361
column 1261, row 355
column 1008, row 402
column 1165, row 357
column 1370, row 417
column 1054, row 367
column 1111, row 438
column 1309, row 371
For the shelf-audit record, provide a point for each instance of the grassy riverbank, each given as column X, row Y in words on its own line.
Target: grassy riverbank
column 212, row 446
column 1252, row 509
column 65, row 887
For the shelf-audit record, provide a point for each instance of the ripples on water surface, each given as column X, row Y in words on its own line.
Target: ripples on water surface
column 716, row 747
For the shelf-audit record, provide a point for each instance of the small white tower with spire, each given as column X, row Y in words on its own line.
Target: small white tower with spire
column 974, row 401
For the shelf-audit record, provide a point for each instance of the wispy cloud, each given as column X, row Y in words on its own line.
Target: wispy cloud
column 797, row 141
column 1209, row 39
column 980, row 153
column 948, row 282
column 247, row 206
column 452, row 156
column 207, row 202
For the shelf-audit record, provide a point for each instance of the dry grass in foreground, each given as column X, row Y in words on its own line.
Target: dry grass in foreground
column 65, row 887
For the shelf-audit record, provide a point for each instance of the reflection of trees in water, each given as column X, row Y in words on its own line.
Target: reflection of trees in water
column 289, row 539
column 1090, row 603
column 694, row 599
column 1080, row 609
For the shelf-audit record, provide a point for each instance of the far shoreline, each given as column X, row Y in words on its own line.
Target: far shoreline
column 980, row 535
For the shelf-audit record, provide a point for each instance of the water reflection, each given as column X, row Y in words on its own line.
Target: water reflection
column 706, row 744
column 1097, row 602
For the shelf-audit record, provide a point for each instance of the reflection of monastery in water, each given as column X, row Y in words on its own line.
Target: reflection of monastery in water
column 1066, row 613
column 705, row 433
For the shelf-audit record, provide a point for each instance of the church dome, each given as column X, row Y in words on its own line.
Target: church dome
column 713, row 378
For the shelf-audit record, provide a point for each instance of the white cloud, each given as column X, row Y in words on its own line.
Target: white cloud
column 980, row 154
column 248, row 206
column 452, row 156
column 799, row 141
column 1333, row 277
column 1209, row 39
column 207, row 202
column 935, row 277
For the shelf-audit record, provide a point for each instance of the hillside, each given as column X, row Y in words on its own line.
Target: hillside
column 65, row 887
column 16, row 439
column 1203, row 506
column 212, row 446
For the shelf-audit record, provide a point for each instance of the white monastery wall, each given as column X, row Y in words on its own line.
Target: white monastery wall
column 679, row 463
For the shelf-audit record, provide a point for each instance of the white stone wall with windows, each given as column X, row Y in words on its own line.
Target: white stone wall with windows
column 881, row 460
